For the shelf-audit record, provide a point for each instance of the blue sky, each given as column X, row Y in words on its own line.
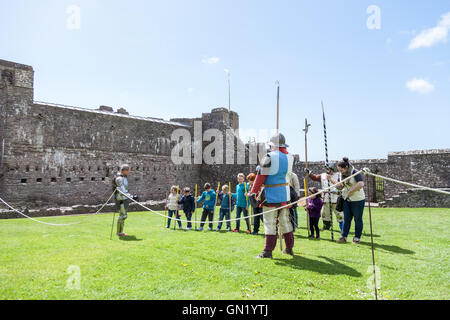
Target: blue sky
column 151, row 57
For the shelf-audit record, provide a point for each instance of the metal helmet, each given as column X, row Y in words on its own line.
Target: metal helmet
column 331, row 166
column 278, row 140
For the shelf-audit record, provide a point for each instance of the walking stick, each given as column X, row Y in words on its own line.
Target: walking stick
column 215, row 202
column 326, row 164
column 195, row 211
column 112, row 226
column 176, row 211
column 305, row 180
column 305, row 186
column 371, row 241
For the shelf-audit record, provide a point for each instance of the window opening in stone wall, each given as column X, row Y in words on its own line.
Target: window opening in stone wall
column 39, row 180
column 53, row 179
column 68, row 179
column 81, row 178
column 24, row 181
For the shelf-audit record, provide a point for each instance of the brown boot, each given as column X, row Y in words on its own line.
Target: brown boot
column 265, row 254
column 342, row 240
column 289, row 251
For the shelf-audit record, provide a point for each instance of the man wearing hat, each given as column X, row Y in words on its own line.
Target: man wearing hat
column 323, row 179
column 274, row 176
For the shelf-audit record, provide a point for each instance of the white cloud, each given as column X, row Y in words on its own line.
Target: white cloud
column 432, row 36
column 190, row 90
column 212, row 60
column 419, row 85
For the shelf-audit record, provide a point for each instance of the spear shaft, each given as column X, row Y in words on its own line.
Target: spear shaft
column 305, row 181
column 330, row 204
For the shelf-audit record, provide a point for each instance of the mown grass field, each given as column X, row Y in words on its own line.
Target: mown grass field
column 411, row 249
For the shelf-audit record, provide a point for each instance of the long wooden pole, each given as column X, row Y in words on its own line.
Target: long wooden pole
column 371, row 240
column 195, row 211
column 167, row 200
column 305, row 181
column 217, row 198
column 278, row 107
column 229, row 199
column 246, row 202
column 330, row 203
column 176, row 211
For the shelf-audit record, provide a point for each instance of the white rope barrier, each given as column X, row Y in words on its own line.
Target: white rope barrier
column 249, row 216
column 367, row 171
column 54, row 224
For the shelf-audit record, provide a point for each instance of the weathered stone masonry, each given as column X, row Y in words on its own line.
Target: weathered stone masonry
column 54, row 155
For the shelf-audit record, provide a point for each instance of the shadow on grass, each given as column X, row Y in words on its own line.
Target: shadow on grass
column 337, row 232
column 329, row 267
column 395, row 249
column 130, row 238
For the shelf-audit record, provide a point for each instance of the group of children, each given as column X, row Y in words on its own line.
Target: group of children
column 228, row 201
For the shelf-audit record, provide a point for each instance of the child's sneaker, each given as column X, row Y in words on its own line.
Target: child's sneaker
column 209, row 229
column 318, row 237
column 356, row 240
column 200, row 229
column 217, row 229
column 235, row 230
column 342, row 240
column 311, row 236
column 228, row 228
column 248, row 231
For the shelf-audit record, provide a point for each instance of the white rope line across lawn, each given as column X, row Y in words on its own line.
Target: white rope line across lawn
column 249, row 216
column 53, row 224
column 367, row 171
column 47, row 223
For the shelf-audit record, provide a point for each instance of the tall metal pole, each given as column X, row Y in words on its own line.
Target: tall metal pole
column 326, row 164
column 229, row 89
column 278, row 106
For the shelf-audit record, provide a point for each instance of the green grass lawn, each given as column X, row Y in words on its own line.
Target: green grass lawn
column 411, row 250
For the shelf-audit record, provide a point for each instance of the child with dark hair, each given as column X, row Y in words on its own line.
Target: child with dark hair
column 314, row 206
column 209, row 198
column 188, row 203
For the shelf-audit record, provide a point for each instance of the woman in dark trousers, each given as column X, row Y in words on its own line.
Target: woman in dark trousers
column 354, row 199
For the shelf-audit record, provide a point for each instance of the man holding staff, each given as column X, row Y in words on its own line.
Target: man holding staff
column 275, row 175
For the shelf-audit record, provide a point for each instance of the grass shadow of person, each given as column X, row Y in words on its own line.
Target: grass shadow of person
column 392, row 248
column 130, row 238
column 331, row 267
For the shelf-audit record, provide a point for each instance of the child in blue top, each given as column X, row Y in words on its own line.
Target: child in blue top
column 209, row 198
column 225, row 210
column 242, row 202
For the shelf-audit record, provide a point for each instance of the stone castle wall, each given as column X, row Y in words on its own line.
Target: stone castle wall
column 55, row 155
